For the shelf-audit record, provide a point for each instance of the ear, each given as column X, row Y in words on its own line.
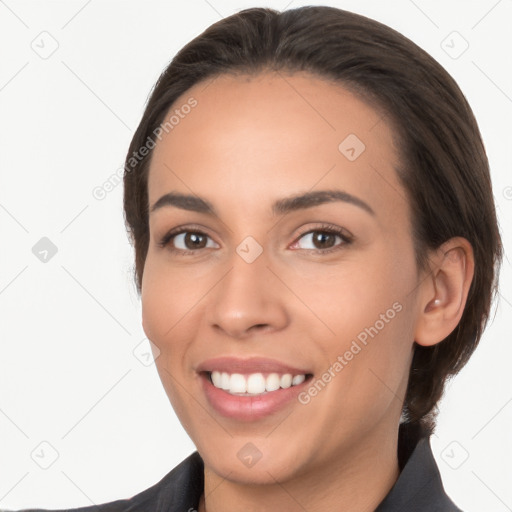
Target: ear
column 444, row 291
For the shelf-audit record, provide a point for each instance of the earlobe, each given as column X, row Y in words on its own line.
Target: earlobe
column 444, row 292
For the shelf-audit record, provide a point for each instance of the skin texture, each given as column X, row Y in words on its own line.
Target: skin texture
column 248, row 142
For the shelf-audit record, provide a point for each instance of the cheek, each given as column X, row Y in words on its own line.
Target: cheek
column 164, row 307
column 351, row 296
column 166, row 297
column 155, row 305
column 366, row 307
column 375, row 339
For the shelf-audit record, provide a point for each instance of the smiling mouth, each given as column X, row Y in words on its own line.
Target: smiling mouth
column 254, row 384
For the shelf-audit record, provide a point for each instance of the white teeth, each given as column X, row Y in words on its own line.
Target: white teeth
column 273, row 382
column 298, row 379
column 217, row 379
column 237, row 383
column 224, row 381
column 254, row 383
column 286, row 380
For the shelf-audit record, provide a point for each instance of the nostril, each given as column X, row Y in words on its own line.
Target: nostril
column 260, row 327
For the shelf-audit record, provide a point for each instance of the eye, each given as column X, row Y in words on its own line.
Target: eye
column 323, row 239
column 187, row 240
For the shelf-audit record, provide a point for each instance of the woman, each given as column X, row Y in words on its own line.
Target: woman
column 301, row 193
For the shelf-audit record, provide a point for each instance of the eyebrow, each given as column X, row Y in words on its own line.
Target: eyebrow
column 280, row 207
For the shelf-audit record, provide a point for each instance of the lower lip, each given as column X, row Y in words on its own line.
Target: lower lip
column 250, row 408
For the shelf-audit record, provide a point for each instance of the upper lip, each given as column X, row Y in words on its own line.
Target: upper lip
column 232, row 364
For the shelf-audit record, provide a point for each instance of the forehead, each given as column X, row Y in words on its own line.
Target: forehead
column 274, row 134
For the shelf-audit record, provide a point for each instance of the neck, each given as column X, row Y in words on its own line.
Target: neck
column 356, row 480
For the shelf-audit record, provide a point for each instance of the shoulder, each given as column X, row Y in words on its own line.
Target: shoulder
column 179, row 490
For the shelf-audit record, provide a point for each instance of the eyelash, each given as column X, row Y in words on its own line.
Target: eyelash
column 324, row 228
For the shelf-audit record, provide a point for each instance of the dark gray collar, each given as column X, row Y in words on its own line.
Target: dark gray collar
column 419, row 486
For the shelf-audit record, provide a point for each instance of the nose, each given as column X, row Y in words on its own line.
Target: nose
column 248, row 300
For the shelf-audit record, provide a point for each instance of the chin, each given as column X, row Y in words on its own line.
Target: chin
column 256, row 461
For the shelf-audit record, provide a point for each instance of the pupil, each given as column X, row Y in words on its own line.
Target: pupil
column 192, row 239
column 320, row 239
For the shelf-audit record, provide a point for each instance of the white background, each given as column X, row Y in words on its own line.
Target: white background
column 69, row 327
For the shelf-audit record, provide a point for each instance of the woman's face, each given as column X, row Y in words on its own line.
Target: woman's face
column 263, row 287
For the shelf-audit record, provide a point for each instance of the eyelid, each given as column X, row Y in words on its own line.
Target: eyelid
column 346, row 237
column 326, row 226
column 178, row 230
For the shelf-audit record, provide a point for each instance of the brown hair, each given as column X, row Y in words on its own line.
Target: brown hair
column 443, row 164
